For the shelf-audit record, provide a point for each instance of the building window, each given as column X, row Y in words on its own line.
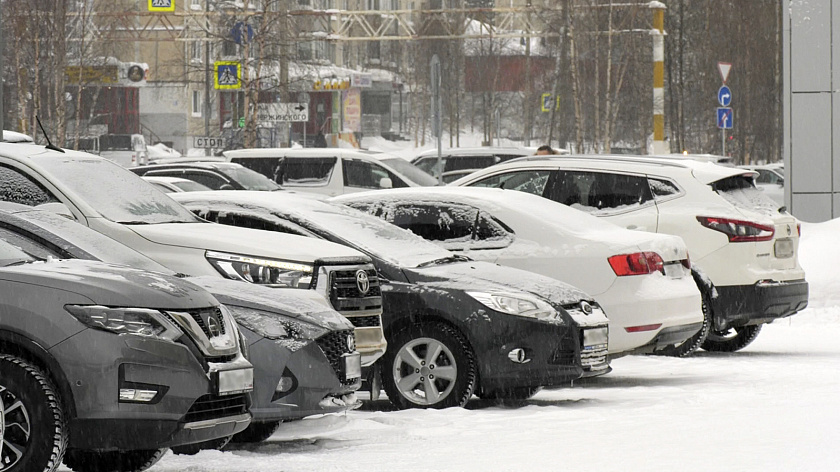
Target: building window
column 195, row 51
column 197, row 103
column 195, row 5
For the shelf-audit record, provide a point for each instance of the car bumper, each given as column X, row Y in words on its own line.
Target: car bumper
column 292, row 381
column 184, row 409
column 763, row 302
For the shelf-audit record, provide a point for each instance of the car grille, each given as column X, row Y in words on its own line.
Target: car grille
column 593, row 357
column 346, row 296
column 334, row 345
column 200, row 315
column 364, row 321
column 209, row 407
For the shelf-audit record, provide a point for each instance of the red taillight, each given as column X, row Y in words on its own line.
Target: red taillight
column 686, row 262
column 799, row 229
column 738, row 231
column 639, row 329
column 638, row 263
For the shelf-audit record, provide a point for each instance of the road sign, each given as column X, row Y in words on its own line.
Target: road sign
column 723, row 68
column 283, row 112
column 161, row 5
column 226, row 74
column 545, row 102
column 724, row 96
column 724, row 118
column 208, row 142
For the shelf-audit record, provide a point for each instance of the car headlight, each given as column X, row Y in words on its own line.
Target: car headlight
column 273, row 272
column 137, row 321
column 274, row 325
column 519, row 304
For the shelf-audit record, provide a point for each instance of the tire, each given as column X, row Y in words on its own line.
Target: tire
column 193, row 449
column 513, row 394
column 731, row 340
column 256, row 432
column 33, row 422
column 431, row 356
column 83, row 460
column 692, row 344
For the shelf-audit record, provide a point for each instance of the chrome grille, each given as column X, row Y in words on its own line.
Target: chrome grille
column 200, row 315
column 593, row 358
column 345, row 295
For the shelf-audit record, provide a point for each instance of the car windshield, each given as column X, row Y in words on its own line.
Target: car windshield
column 415, row 174
column 741, row 192
column 118, row 194
column 249, row 179
column 190, row 186
column 10, row 255
column 94, row 243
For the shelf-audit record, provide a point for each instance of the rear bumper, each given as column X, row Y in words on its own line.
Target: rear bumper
column 763, row 302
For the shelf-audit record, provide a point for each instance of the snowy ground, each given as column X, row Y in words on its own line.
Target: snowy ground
column 771, row 407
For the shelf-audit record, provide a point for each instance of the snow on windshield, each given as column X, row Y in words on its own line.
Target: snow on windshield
column 743, row 194
column 116, row 193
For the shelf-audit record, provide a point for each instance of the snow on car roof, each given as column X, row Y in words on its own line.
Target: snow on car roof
column 474, row 151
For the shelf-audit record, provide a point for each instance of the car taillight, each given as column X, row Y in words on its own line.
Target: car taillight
column 738, row 231
column 799, row 229
column 638, row 263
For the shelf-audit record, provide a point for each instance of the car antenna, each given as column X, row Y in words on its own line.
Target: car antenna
column 49, row 145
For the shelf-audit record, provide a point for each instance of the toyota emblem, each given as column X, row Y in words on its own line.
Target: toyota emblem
column 362, row 281
column 586, row 307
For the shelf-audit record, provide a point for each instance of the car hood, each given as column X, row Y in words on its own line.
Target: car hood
column 112, row 285
column 485, row 276
column 252, row 242
column 303, row 305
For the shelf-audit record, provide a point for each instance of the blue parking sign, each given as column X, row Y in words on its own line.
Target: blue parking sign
column 724, row 118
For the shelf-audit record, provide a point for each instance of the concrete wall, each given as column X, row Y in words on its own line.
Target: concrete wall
column 812, row 109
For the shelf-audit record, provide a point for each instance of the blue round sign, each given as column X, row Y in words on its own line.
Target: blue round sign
column 724, row 96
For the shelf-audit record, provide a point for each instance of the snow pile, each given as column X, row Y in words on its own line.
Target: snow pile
column 819, row 255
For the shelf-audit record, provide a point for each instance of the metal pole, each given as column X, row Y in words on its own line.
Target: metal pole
column 3, row 78
column 659, row 144
column 207, row 107
column 436, row 113
column 723, row 140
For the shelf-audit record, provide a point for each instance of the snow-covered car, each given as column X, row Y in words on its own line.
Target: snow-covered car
column 302, row 351
column 771, row 179
column 741, row 240
column 467, row 158
column 211, row 174
column 115, row 202
column 331, row 171
column 113, row 363
column 176, row 184
column 454, row 326
column 643, row 281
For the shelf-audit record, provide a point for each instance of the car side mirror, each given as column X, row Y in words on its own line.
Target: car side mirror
column 226, row 187
column 58, row 208
column 385, row 182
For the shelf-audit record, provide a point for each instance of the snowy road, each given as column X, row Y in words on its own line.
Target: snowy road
column 772, row 406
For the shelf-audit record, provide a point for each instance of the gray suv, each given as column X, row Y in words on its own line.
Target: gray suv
column 112, row 363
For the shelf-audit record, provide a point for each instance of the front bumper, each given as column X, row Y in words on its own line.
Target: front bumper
column 185, row 411
column 763, row 302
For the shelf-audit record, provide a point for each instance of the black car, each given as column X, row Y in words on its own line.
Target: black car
column 302, row 351
column 454, row 326
column 215, row 175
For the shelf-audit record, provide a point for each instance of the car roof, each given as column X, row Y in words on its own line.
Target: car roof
column 706, row 172
column 303, row 152
column 165, row 179
column 480, row 151
column 214, row 165
column 185, row 159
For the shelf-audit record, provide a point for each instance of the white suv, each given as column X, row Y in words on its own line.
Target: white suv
column 331, row 171
column 745, row 246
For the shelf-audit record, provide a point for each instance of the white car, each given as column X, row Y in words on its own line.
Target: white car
column 770, row 179
column 113, row 201
column 467, row 158
column 175, row 184
column 643, row 281
column 741, row 240
column 331, row 171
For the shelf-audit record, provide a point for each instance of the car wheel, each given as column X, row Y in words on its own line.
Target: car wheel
column 731, row 340
column 510, row 394
column 256, row 432
column 431, row 366
column 83, row 460
column 32, row 424
column 687, row 347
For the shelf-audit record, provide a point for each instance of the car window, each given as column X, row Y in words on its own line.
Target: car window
column 663, row 189
column 18, row 188
column 190, row 186
column 768, row 177
column 457, row 227
column 208, row 179
column 248, row 179
column 741, row 192
column 253, row 222
column 529, row 181
column 304, row 171
column 430, row 164
column 469, row 162
column 411, row 171
column 364, row 174
column 591, row 191
column 29, row 246
column 11, row 254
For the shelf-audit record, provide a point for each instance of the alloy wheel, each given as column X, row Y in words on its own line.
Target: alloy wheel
column 425, row 371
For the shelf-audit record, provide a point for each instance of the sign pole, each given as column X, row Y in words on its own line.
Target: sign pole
column 436, row 113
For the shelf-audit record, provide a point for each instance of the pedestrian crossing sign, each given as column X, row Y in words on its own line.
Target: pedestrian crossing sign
column 161, row 5
column 227, row 75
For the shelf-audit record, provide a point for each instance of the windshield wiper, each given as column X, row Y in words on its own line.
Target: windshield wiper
column 446, row 260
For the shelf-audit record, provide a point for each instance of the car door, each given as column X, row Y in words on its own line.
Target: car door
column 360, row 175
column 456, row 227
column 624, row 199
